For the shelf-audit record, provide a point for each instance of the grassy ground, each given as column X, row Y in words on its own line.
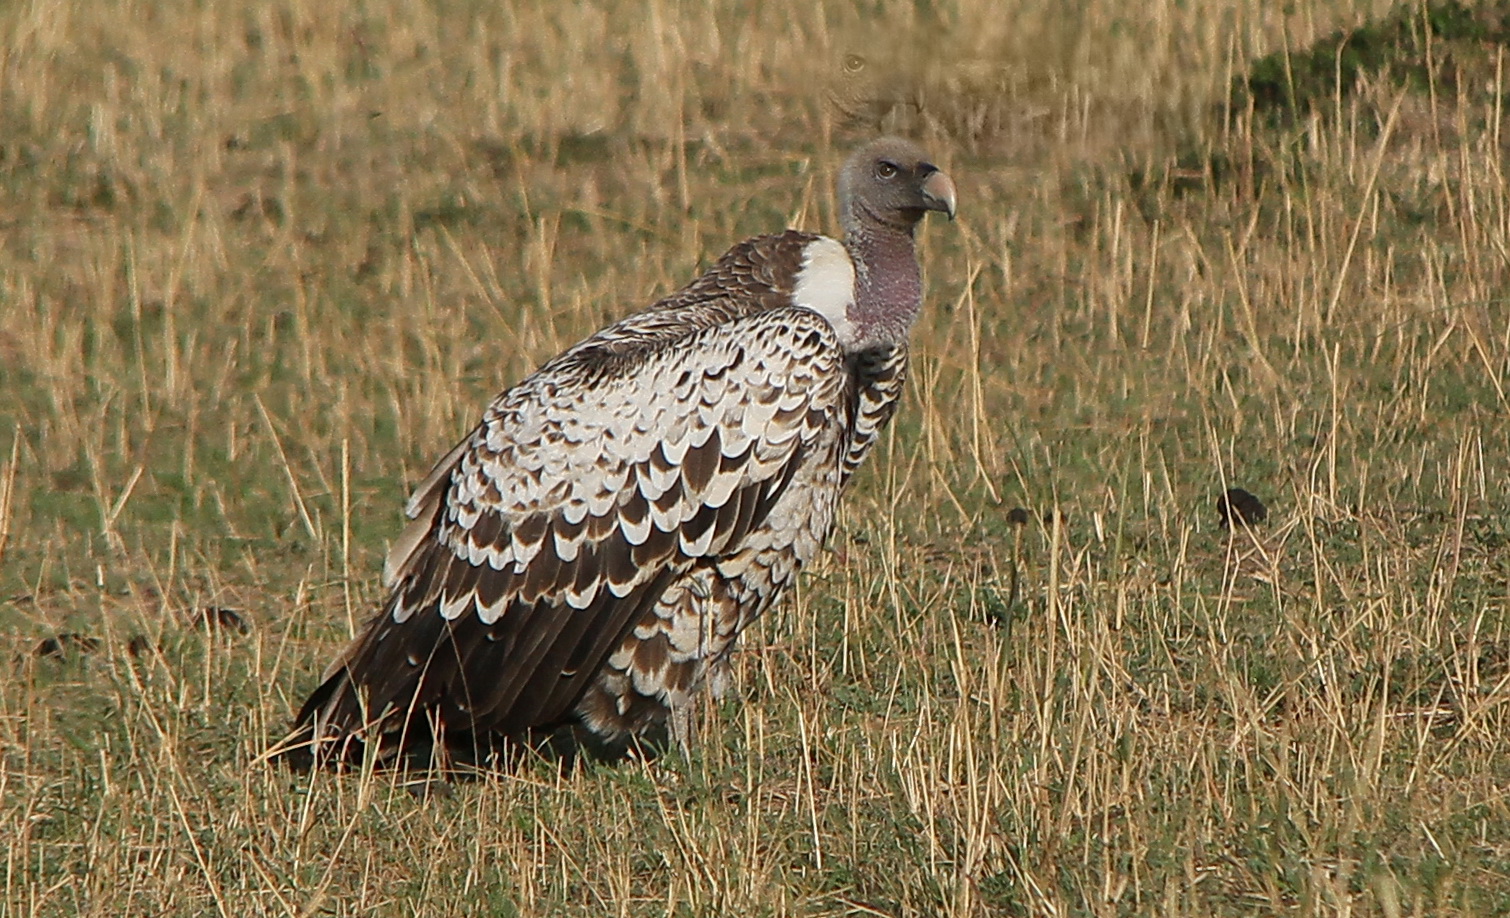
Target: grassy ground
column 262, row 262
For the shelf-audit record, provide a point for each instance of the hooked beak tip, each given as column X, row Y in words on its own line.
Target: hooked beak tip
column 938, row 194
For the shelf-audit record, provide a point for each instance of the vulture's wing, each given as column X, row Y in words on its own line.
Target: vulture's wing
column 541, row 540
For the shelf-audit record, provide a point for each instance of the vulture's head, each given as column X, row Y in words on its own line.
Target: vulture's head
column 891, row 182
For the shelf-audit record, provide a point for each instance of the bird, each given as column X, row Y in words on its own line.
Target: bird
column 583, row 562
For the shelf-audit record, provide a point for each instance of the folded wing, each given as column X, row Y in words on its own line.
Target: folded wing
column 587, row 489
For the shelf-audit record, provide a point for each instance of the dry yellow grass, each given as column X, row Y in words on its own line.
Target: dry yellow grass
column 260, row 263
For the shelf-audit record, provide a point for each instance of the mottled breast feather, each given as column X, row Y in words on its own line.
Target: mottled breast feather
column 879, row 375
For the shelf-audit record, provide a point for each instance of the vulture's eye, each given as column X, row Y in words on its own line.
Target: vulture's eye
column 885, row 170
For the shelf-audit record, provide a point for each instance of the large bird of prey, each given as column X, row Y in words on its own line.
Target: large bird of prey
column 586, row 558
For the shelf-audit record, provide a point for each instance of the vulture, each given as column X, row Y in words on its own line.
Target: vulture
column 583, row 562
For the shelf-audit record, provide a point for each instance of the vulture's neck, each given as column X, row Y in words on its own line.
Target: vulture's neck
column 888, row 284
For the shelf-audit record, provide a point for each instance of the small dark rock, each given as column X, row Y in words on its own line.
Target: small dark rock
column 214, row 618
column 430, row 790
column 1239, row 506
column 67, row 644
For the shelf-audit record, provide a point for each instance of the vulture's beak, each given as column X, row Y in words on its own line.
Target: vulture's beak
column 938, row 193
